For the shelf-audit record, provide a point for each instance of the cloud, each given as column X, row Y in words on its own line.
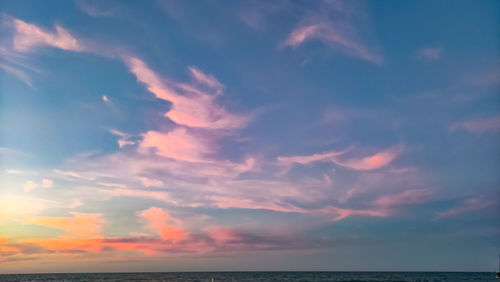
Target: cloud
column 13, row 171
column 149, row 182
column 177, row 144
column 75, row 203
column 375, row 161
column 469, row 205
column 383, row 206
column 190, row 106
column 93, row 8
column 30, row 185
column 105, row 98
column 73, row 174
column 408, row 197
column 79, row 225
column 429, row 53
column 337, row 214
column 489, row 124
column 205, row 79
column 157, row 195
column 338, row 35
column 228, row 202
column 28, row 36
column 124, row 140
column 21, row 208
column 18, row 73
column 157, row 219
column 47, row 183
column 328, row 156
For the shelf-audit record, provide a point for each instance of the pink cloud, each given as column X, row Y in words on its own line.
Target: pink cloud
column 203, row 78
column 157, row 195
column 28, row 36
column 337, row 214
column 177, row 144
column 149, row 182
column 309, row 159
column 157, row 219
column 384, row 206
column 489, row 124
column 190, row 106
column 408, row 197
column 375, row 161
column 47, row 183
column 468, row 205
column 329, row 33
column 227, row 202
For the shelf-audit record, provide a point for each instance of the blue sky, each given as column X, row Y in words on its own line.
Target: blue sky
column 257, row 135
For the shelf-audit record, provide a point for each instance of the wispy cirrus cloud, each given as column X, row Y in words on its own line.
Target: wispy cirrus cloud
column 468, row 205
column 19, row 73
column 204, row 79
column 429, row 53
column 28, row 36
column 342, row 26
column 124, row 138
column 481, row 125
column 378, row 160
column 190, row 106
column 94, row 9
column 333, row 34
column 384, row 206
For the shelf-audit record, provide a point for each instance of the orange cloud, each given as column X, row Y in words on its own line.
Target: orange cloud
column 80, row 225
column 30, row 185
column 157, row 219
column 47, row 183
column 28, row 36
column 68, row 243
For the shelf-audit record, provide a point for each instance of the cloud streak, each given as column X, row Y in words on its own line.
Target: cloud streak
column 191, row 106
column 378, row 160
column 28, row 36
column 336, row 35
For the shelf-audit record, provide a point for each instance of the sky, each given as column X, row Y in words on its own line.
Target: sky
column 220, row 135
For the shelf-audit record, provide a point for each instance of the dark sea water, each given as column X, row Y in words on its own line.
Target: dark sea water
column 258, row 276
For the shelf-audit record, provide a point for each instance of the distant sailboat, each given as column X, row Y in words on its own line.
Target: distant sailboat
column 213, row 278
column 498, row 273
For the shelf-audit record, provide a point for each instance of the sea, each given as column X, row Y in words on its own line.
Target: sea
column 257, row 276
